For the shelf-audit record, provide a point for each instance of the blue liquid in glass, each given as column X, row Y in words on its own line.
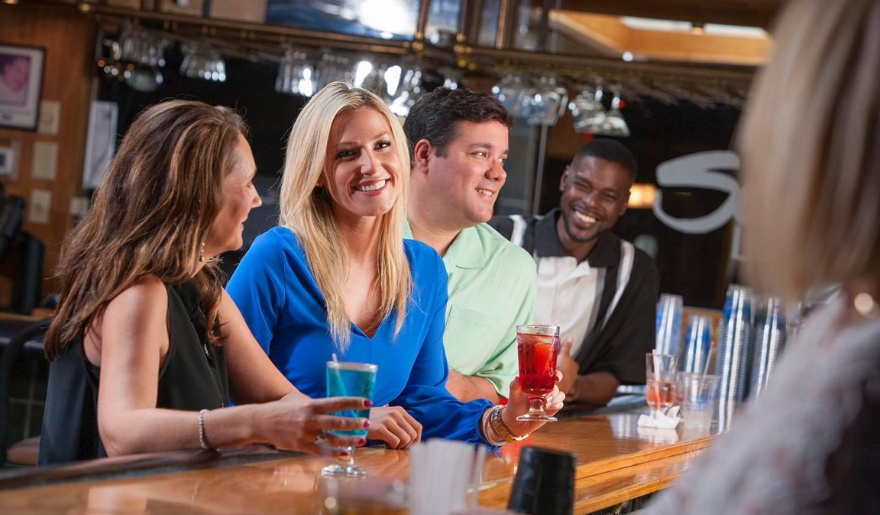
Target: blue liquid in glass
column 346, row 382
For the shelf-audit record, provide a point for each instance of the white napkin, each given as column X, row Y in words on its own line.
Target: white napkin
column 658, row 435
column 667, row 420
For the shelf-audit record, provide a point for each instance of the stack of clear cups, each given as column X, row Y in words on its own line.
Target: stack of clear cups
column 734, row 342
column 669, row 324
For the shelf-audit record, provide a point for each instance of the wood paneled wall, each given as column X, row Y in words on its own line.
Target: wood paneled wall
column 69, row 40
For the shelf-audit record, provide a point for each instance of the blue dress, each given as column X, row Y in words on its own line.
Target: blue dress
column 280, row 300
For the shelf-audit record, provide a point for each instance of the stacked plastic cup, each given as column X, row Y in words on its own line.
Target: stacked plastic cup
column 770, row 336
column 734, row 341
column 669, row 324
column 698, row 344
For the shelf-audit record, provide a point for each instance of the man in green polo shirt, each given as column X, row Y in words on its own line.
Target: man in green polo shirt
column 459, row 145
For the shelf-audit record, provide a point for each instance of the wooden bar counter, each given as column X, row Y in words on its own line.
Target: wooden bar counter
column 617, row 461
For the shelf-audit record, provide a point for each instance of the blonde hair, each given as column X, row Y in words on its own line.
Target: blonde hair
column 810, row 150
column 306, row 209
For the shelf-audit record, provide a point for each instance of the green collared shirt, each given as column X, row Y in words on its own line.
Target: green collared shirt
column 492, row 288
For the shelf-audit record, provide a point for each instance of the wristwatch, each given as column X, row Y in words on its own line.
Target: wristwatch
column 501, row 428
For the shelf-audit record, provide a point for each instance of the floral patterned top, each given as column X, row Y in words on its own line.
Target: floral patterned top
column 810, row 444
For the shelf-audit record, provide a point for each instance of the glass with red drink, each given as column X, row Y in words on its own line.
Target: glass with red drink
column 660, row 379
column 538, row 346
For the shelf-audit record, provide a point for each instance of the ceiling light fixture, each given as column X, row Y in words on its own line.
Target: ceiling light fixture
column 638, row 23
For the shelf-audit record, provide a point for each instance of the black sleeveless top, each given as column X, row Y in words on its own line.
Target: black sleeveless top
column 192, row 378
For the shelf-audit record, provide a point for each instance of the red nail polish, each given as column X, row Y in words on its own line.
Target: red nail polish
column 368, row 403
column 344, row 453
column 366, row 423
column 362, row 441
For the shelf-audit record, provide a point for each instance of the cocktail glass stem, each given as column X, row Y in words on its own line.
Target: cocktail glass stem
column 346, row 461
column 536, row 411
column 344, row 465
column 536, row 406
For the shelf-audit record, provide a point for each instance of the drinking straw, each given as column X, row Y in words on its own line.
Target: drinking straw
column 458, row 484
column 418, row 478
column 340, row 386
column 435, row 476
column 339, row 383
column 656, row 359
column 477, row 478
column 702, row 378
column 706, row 365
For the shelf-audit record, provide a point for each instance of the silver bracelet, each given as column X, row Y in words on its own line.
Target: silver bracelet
column 486, row 427
column 203, row 442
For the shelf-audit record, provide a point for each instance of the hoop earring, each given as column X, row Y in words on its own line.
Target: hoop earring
column 202, row 253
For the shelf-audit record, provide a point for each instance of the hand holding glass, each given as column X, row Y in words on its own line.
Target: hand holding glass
column 660, row 376
column 349, row 380
column 538, row 347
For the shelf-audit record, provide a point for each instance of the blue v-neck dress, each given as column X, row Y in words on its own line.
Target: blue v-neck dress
column 276, row 292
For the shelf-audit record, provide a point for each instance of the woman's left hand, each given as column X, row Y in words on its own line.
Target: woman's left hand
column 394, row 426
column 518, row 404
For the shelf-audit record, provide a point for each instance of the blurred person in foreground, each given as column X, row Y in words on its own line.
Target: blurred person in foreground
column 599, row 288
column 338, row 278
column 459, row 145
column 145, row 343
column 810, row 145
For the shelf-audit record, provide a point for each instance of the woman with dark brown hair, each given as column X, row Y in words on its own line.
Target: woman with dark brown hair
column 145, row 341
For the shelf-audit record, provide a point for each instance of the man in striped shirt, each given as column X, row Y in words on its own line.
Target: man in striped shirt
column 600, row 289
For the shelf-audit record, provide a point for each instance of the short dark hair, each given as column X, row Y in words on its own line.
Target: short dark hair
column 6, row 59
column 611, row 151
column 436, row 115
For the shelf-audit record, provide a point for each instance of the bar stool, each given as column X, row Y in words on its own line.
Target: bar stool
column 27, row 341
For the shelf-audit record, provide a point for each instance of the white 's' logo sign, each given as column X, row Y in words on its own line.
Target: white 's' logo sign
column 699, row 171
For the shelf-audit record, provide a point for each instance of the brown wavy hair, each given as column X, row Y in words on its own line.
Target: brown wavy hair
column 150, row 216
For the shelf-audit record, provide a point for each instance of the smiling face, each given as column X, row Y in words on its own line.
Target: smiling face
column 594, row 195
column 15, row 73
column 465, row 180
column 361, row 167
column 239, row 197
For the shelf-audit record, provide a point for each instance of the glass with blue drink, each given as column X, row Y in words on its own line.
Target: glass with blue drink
column 349, row 380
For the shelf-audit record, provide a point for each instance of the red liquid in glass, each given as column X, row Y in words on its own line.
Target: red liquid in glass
column 537, row 362
column 660, row 394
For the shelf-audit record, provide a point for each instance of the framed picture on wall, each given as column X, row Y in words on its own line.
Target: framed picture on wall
column 21, row 85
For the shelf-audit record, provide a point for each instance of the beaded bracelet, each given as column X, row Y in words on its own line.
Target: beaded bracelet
column 203, row 441
column 501, row 428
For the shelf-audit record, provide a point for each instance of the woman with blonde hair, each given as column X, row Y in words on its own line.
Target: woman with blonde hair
column 337, row 278
column 810, row 145
column 145, row 343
